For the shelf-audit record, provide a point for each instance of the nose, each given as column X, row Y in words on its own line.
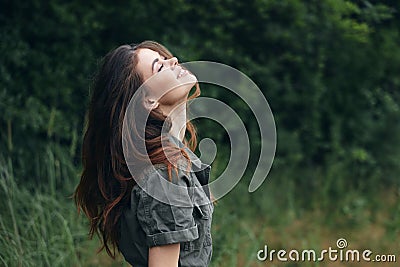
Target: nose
column 172, row 62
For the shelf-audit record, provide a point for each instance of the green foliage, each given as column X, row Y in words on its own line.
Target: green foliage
column 326, row 67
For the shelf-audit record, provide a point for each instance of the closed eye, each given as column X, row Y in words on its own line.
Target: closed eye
column 160, row 68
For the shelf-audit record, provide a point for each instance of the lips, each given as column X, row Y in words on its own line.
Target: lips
column 182, row 72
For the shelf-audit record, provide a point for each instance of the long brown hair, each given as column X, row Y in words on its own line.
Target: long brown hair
column 106, row 183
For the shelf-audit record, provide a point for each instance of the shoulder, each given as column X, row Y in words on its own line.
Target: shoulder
column 181, row 174
column 172, row 186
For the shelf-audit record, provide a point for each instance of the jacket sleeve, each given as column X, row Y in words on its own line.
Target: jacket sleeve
column 165, row 210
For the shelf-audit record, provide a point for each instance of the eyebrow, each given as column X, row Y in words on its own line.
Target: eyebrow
column 154, row 62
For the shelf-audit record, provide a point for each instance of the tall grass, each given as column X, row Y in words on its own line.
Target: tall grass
column 37, row 228
column 39, row 225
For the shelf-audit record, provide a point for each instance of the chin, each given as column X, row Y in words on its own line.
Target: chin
column 189, row 79
column 187, row 86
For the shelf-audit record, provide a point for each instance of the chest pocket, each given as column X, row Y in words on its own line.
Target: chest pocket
column 202, row 216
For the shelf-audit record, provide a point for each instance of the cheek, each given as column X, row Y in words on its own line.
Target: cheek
column 180, row 92
column 160, row 84
column 168, row 89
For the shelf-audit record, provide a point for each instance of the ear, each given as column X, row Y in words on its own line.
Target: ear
column 151, row 103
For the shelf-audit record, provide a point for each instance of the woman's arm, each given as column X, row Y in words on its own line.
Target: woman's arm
column 164, row 256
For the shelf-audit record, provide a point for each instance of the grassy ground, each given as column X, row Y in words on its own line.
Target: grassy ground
column 40, row 228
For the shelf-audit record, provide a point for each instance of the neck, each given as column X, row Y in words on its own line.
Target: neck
column 178, row 119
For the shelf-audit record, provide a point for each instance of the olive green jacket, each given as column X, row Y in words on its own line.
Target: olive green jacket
column 165, row 212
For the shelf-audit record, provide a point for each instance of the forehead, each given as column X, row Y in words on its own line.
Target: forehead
column 145, row 59
column 146, row 56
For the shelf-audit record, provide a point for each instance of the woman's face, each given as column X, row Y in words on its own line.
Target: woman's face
column 166, row 81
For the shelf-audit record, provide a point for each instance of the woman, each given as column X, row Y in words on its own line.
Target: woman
column 150, row 202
